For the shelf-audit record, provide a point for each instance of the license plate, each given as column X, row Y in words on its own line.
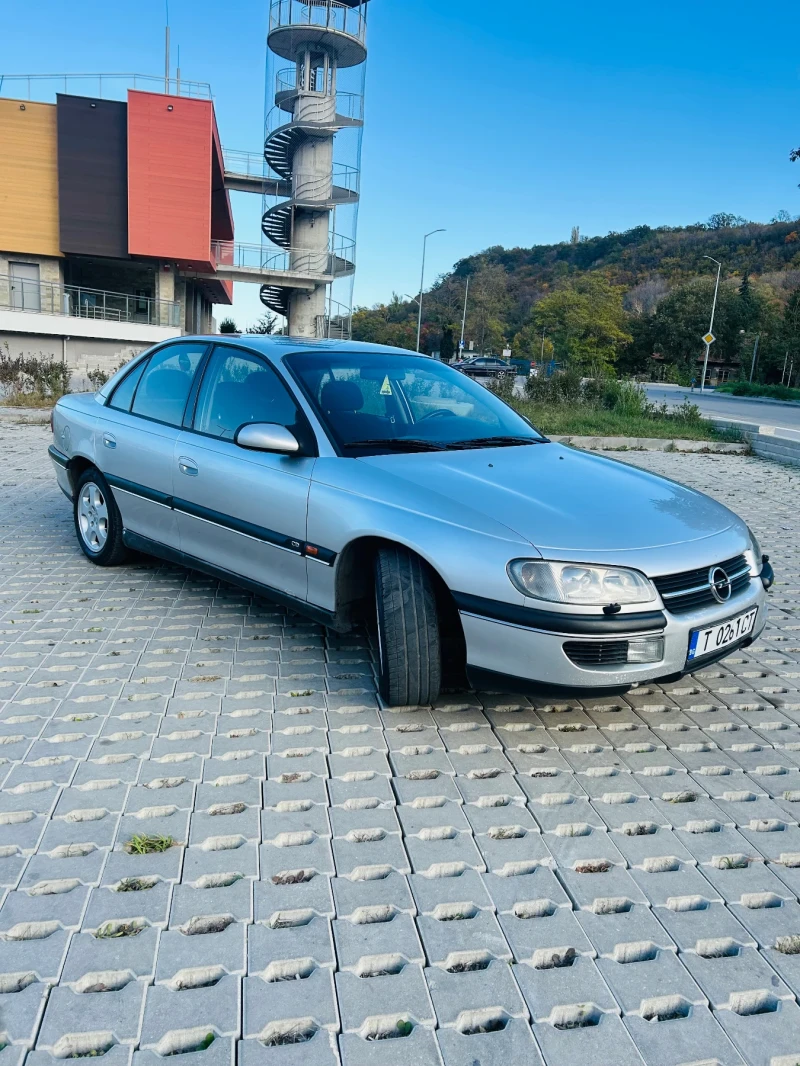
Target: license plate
column 714, row 638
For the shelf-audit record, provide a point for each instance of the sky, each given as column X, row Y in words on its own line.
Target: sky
column 503, row 124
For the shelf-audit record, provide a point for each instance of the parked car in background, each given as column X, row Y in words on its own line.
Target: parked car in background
column 365, row 485
column 487, row 367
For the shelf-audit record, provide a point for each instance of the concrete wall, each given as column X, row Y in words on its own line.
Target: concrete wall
column 80, row 354
column 763, row 441
column 50, row 269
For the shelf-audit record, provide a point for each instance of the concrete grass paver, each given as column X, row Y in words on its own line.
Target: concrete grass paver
column 491, row 879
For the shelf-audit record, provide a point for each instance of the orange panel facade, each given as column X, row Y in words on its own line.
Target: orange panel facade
column 170, row 143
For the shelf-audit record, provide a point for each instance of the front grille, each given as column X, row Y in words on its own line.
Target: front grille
column 597, row 652
column 691, row 589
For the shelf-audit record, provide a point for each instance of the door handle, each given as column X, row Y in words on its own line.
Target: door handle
column 109, row 441
column 188, row 466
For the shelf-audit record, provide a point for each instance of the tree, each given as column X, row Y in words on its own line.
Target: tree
column 725, row 220
column 447, row 348
column 682, row 319
column 264, row 326
column 488, row 304
column 227, row 325
column 586, row 322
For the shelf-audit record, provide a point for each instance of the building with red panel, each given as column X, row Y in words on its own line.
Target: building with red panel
column 114, row 222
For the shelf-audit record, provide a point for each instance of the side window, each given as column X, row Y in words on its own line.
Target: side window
column 123, row 394
column 164, row 386
column 239, row 388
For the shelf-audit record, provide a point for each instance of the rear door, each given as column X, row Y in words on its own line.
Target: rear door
column 136, row 437
column 244, row 511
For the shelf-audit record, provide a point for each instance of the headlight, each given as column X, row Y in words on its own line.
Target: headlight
column 756, row 547
column 575, row 583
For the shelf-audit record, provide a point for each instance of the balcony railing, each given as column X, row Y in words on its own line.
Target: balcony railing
column 43, row 87
column 322, row 13
column 336, row 323
column 336, row 261
column 74, row 301
column 350, row 105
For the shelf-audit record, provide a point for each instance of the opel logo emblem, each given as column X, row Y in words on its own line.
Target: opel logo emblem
column 720, row 584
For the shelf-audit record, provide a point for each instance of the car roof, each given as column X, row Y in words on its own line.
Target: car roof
column 276, row 346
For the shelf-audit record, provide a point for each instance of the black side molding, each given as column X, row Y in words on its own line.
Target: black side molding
column 139, row 490
column 172, row 555
column 555, row 622
column 58, row 457
column 217, row 518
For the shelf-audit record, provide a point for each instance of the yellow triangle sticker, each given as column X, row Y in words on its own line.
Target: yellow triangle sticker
column 386, row 388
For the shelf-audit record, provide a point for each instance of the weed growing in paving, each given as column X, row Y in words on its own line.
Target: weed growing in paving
column 141, row 844
column 116, row 930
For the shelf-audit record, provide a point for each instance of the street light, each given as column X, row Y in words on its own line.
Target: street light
column 422, row 281
column 711, row 327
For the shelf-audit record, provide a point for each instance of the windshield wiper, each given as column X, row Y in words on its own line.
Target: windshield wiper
column 492, row 442
column 410, row 444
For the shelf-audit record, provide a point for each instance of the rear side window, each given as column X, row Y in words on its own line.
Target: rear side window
column 123, row 393
column 164, row 387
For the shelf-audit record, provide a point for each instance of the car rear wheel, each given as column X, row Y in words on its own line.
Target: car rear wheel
column 98, row 524
column 409, row 645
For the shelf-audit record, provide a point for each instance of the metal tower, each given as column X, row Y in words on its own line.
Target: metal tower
column 326, row 42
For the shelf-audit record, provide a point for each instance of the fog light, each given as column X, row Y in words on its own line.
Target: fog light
column 650, row 650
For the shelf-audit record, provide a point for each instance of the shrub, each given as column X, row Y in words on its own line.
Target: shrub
column 27, row 379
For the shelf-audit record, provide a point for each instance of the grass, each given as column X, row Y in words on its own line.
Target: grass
column 568, row 404
column 28, row 399
column 584, row 421
column 141, row 844
column 773, row 392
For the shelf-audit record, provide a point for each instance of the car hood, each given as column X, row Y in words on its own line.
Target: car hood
column 565, row 500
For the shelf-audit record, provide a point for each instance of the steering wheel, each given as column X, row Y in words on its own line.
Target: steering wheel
column 440, row 412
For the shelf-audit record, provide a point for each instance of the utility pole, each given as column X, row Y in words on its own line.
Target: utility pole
column 422, row 281
column 755, row 356
column 711, row 327
column 464, row 317
column 544, row 330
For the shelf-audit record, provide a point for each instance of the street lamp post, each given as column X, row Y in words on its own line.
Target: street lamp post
column 422, row 281
column 711, row 327
column 464, row 318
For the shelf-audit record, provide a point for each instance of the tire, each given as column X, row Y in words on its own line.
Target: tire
column 409, row 645
column 98, row 524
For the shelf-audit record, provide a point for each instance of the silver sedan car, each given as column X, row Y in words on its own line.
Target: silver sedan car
column 362, row 484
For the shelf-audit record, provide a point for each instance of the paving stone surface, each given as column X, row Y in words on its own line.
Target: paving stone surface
column 351, row 884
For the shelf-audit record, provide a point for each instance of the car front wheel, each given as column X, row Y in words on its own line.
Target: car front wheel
column 98, row 524
column 409, row 645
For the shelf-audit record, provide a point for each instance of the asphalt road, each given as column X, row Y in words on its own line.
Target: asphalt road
column 785, row 416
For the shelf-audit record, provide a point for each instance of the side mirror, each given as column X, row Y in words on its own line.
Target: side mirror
column 267, row 437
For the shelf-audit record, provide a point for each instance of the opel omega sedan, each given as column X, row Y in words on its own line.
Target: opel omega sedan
column 367, row 485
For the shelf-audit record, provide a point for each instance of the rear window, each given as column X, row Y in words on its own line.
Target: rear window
column 122, row 395
column 165, row 385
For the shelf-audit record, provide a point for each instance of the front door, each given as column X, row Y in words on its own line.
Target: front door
column 26, row 293
column 136, row 439
column 243, row 511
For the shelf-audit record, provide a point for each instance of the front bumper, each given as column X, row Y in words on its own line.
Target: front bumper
column 538, row 656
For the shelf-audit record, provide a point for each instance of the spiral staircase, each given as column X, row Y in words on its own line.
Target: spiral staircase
column 320, row 37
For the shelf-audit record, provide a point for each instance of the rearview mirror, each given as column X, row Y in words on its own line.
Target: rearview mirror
column 267, row 437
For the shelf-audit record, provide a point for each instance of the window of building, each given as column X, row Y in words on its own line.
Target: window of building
column 239, row 388
column 164, row 386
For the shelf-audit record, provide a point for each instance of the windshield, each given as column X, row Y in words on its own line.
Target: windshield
column 374, row 403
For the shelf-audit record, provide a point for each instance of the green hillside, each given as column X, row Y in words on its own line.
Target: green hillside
column 616, row 301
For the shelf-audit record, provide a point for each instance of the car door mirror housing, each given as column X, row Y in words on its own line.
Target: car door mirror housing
column 267, row 437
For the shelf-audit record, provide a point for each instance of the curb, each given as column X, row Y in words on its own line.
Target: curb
column 763, row 441
column 653, row 444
